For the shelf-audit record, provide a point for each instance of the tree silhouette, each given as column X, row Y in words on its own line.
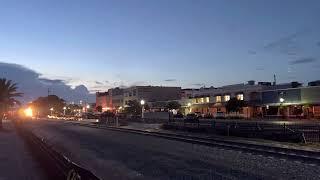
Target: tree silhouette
column 43, row 105
column 173, row 105
column 133, row 107
column 99, row 108
column 234, row 105
column 8, row 93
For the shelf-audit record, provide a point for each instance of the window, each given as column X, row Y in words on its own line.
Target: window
column 207, row 99
column 218, row 98
column 240, row 97
column 202, row 100
column 226, row 98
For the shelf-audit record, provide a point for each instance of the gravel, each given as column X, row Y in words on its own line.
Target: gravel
column 118, row 155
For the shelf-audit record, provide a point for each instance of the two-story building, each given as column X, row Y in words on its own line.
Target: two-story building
column 292, row 102
column 104, row 100
column 213, row 100
column 151, row 94
column 261, row 99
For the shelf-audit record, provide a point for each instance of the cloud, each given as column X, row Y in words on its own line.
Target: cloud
column 198, row 84
column 51, row 81
column 99, row 83
column 252, row 52
column 170, row 80
column 260, row 68
column 288, row 44
column 138, row 83
column 284, row 40
column 305, row 60
column 33, row 85
column 316, row 66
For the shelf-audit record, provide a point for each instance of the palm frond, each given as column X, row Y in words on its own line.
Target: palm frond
column 8, row 92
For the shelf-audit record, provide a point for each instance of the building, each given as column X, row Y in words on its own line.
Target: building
column 261, row 99
column 213, row 100
column 116, row 97
column 295, row 102
column 104, row 100
column 188, row 93
column 151, row 94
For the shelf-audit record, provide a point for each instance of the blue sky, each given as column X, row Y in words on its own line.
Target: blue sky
column 187, row 43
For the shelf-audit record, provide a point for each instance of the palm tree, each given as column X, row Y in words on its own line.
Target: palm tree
column 8, row 93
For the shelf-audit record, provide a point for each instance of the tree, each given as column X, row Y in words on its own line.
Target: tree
column 99, row 108
column 234, row 105
column 133, row 107
column 43, row 105
column 73, row 109
column 8, row 93
column 173, row 105
column 146, row 107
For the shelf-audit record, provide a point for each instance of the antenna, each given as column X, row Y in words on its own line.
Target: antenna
column 274, row 79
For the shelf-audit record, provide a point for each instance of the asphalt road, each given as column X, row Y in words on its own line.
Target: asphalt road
column 118, row 155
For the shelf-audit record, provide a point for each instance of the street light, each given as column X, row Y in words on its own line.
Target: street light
column 64, row 111
column 189, row 106
column 28, row 112
column 281, row 102
column 51, row 109
column 142, row 102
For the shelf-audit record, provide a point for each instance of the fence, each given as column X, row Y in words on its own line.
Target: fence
column 276, row 130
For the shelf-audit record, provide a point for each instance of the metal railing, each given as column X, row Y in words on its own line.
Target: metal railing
column 277, row 130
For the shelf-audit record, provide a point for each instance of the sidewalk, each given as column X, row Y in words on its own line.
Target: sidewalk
column 16, row 162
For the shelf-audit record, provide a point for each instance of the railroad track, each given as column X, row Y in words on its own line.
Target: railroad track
column 282, row 152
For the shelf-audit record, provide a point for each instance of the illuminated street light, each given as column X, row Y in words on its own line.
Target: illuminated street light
column 281, row 100
column 189, row 106
column 88, row 106
column 142, row 102
column 51, row 109
column 64, row 110
column 28, row 112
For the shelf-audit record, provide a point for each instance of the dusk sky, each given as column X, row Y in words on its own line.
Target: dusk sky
column 188, row 43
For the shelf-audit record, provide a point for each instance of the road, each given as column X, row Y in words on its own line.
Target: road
column 119, row 155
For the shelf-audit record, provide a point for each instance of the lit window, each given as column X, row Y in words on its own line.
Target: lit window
column 218, row 98
column 207, row 99
column 240, row 97
column 202, row 100
column 226, row 98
